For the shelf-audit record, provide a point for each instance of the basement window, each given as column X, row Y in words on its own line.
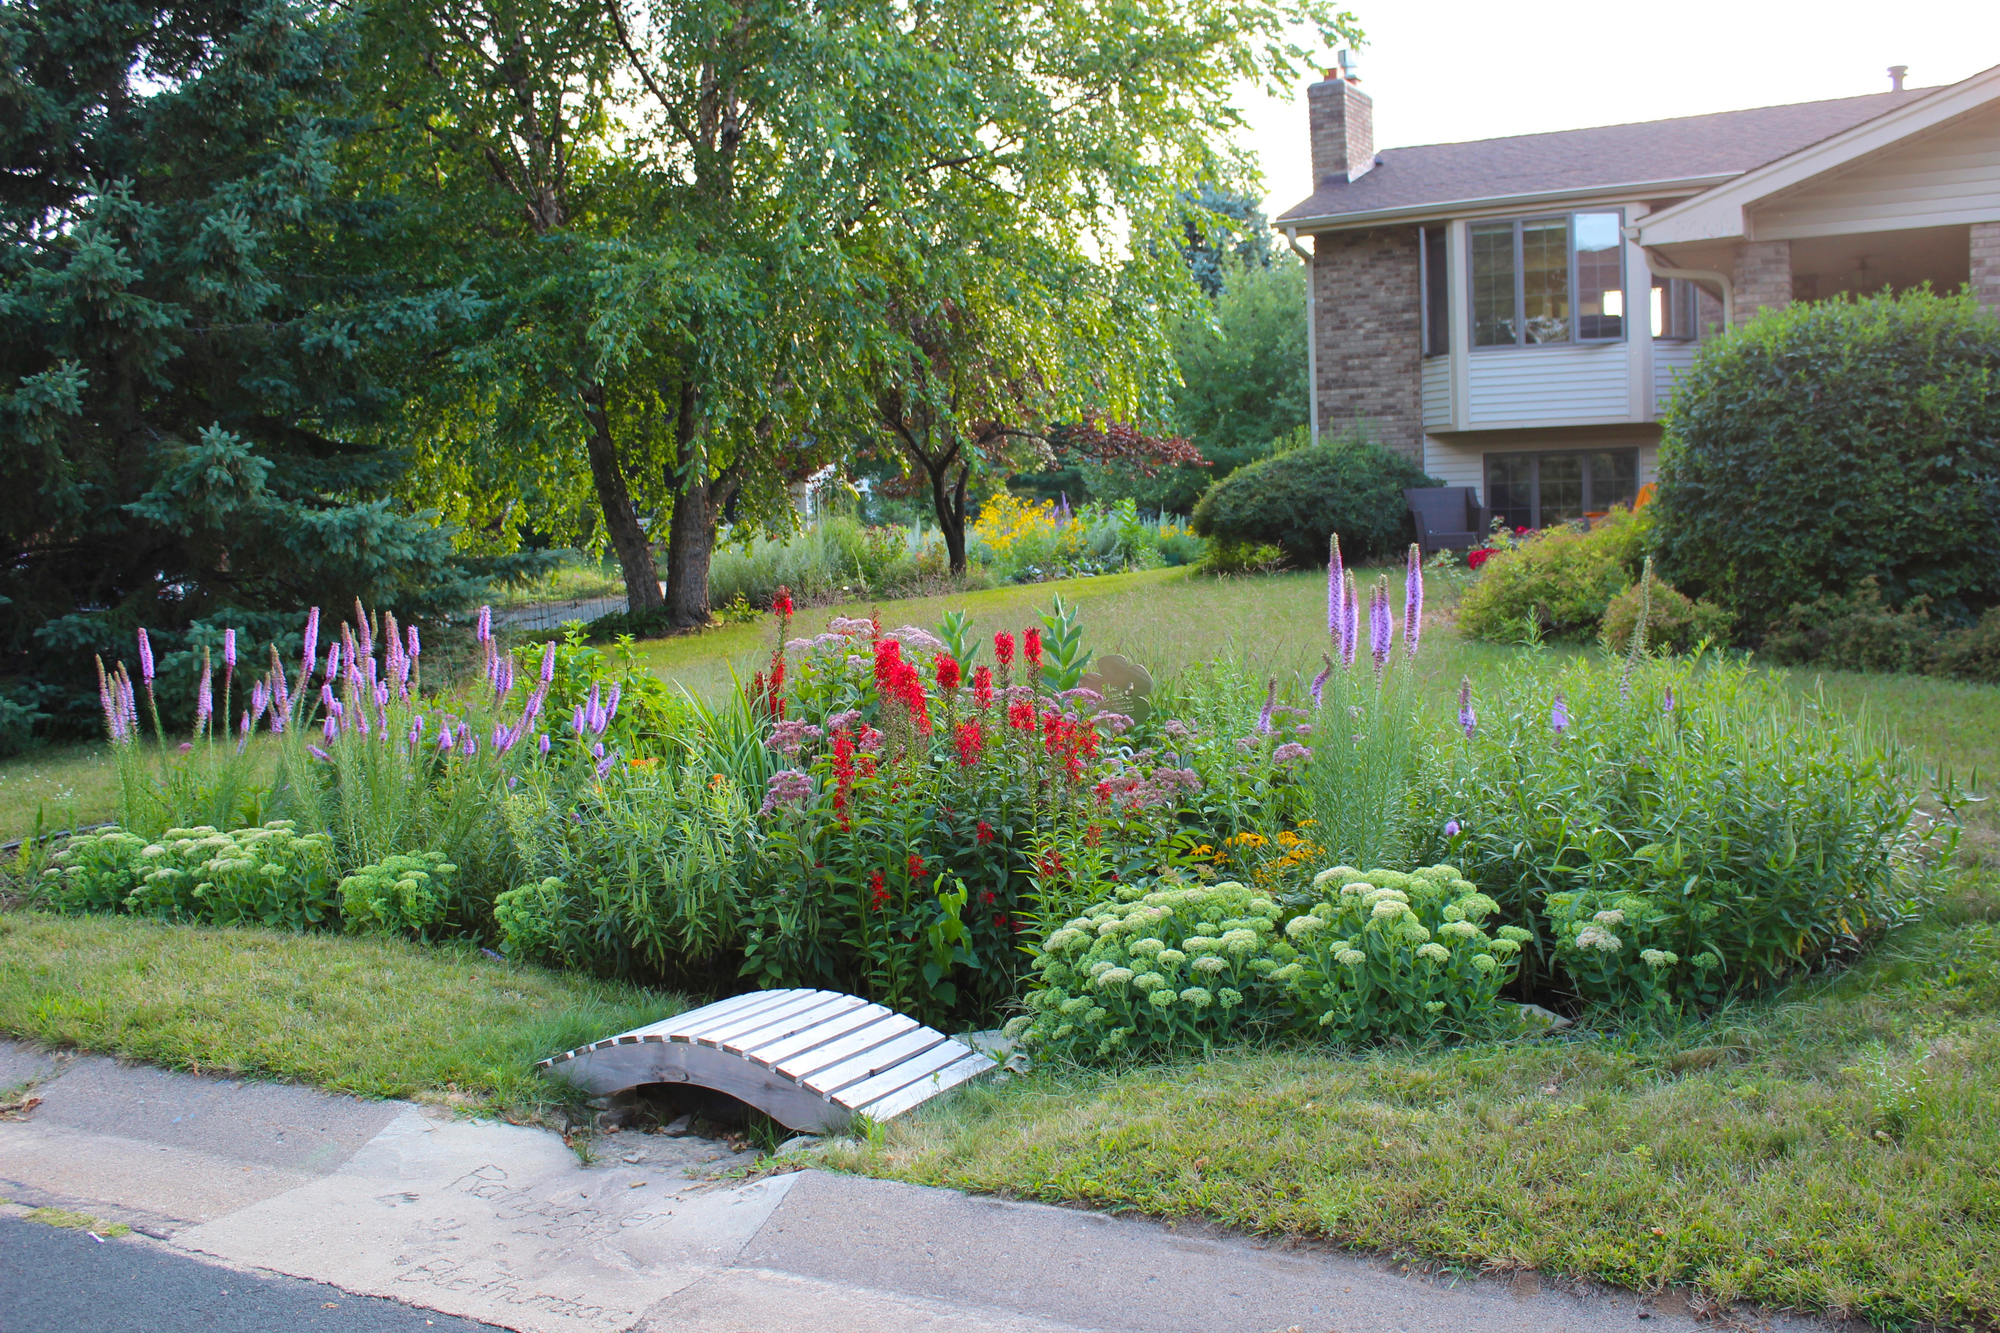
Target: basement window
column 1539, row 490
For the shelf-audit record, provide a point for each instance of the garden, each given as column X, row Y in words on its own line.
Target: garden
column 1615, row 901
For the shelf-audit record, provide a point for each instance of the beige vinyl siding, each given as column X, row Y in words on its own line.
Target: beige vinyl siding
column 1949, row 176
column 1455, row 465
column 1670, row 359
column 1437, row 392
column 1550, row 385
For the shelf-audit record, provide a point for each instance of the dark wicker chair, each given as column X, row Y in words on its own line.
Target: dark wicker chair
column 1447, row 518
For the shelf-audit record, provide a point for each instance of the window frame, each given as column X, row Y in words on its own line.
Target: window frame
column 1435, row 335
column 1520, row 321
column 1534, row 458
column 1682, row 298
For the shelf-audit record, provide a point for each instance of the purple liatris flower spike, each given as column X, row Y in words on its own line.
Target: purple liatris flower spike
column 311, row 653
column 598, row 749
column 1336, row 589
column 367, row 630
column 445, row 739
column 1413, row 601
column 1350, row 621
column 1667, row 705
column 229, row 649
column 416, row 644
column 145, row 658
column 416, row 731
column 1451, row 828
column 611, row 704
column 244, row 730
column 330, row 728
column 1319, row 681
column 468, row 744
column 260, row 698
column 549, row 662
column 485, row 629
column 543, row 743
column 1381, row 628
column 204, row 697
column 1467, row 719
column 333, row 661
column 1559, row 715
column 593, row 713
column 500, row 737
column 1270, row 702
column 320, row 754
column 604, row 765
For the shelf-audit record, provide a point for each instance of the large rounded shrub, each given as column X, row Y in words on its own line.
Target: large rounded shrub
column 1826, row 443
column 1300, row 498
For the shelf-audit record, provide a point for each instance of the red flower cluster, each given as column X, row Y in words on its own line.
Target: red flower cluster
column 1069, row 743
column 970, row 742
column 1003, row 649
column 843, row 773
column 1021, row 715
column 879, row 894
column 984, row 833
column 764, row 694
column 1031, row 647
column 782, row 603
column 1478, row 556
column 898, row 680
column 917, row 870
column 982, row 687
column 949, row 674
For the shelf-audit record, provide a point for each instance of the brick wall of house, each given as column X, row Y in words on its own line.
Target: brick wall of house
column 1763, row 277
column 1368, row 335
column 1986, row 263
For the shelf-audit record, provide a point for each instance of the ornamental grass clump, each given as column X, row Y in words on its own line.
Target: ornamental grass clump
column 1381, row 954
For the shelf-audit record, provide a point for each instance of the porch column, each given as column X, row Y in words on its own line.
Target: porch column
column 1986, row 264
column 1763, row 277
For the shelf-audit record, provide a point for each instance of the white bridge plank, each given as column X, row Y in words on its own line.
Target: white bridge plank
column 771, row 1054
column 748, row 1043
column 916, row 1094
column 869, row 1063
column 901, row 1074
column 834, row 1052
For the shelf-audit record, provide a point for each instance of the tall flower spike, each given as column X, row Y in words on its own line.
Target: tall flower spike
column 484, row 632
column 1413, row 600
column 365, row 629
column 1559, row 715
column 1467, row 719
column 145, row 658
column 1381, row 627
column 204, row 697
column 1319, row 681
column 229, row 649
column 1270, row 703
column 1350, row 620
column 549, row 662
column 309, row 655
column 416, row 644
column 1336, row 588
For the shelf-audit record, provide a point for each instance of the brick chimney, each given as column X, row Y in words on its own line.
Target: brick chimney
column 1343, row 127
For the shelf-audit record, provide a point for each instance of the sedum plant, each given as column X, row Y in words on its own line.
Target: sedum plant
column 265, row 876
column 1377, row 955
column 404, row 894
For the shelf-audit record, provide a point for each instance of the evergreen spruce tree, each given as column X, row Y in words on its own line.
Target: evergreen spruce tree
column 199, row 350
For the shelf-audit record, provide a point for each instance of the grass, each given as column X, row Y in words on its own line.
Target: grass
column 63, row 1217
column 371, row 1017
column 60, row 785
column 1837, row 1149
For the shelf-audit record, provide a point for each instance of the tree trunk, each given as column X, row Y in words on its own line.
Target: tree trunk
column 949, row 502
column 621, row 519
column 698, row 506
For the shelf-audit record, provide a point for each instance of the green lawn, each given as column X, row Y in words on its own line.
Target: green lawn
column 373, row 1017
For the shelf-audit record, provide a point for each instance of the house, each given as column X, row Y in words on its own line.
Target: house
column 1511, row 313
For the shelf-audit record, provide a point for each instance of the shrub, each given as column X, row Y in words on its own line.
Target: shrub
column 1557, row 583
column 1673, row 623
column 1375, row 955
column 1972, row 653
column 1854, row 631
column 1299, row 499
column 1746, row 832
column 406, row 894
column 266, row 876
column 1826, row 442
column 1225, row 558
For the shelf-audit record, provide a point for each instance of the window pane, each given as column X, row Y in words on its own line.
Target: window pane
column 1507, row 478
column 1437, row 304
column 1545, row 279
column 1614, row 478
column 1493, row 284
column 1600, row 276
column 1561, row 489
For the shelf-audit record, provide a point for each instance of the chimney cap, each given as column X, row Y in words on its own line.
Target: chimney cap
column 1349, row 64
column 1896, row 75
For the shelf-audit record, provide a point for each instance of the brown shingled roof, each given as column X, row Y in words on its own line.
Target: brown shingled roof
column 1688, row 147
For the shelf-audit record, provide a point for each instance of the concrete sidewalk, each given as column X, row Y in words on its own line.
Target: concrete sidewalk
column 502, row 1224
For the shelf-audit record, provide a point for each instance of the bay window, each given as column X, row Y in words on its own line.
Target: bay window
column 1546, row 280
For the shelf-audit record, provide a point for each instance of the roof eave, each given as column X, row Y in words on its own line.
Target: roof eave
column 1500, row 202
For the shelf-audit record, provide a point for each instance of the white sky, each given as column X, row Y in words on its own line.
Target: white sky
column 1448, row 70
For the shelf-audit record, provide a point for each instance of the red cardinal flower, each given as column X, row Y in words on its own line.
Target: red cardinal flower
column 782, row 603
column 970, row 742
column 982, row 687
column 948, row 672
column 1021, row 715
column 1031, row 647
column 1003, row 648
column 917, row 870
column 984, row 833
column 879, row 891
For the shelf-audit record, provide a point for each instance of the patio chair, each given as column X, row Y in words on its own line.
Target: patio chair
column 1447, row 518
